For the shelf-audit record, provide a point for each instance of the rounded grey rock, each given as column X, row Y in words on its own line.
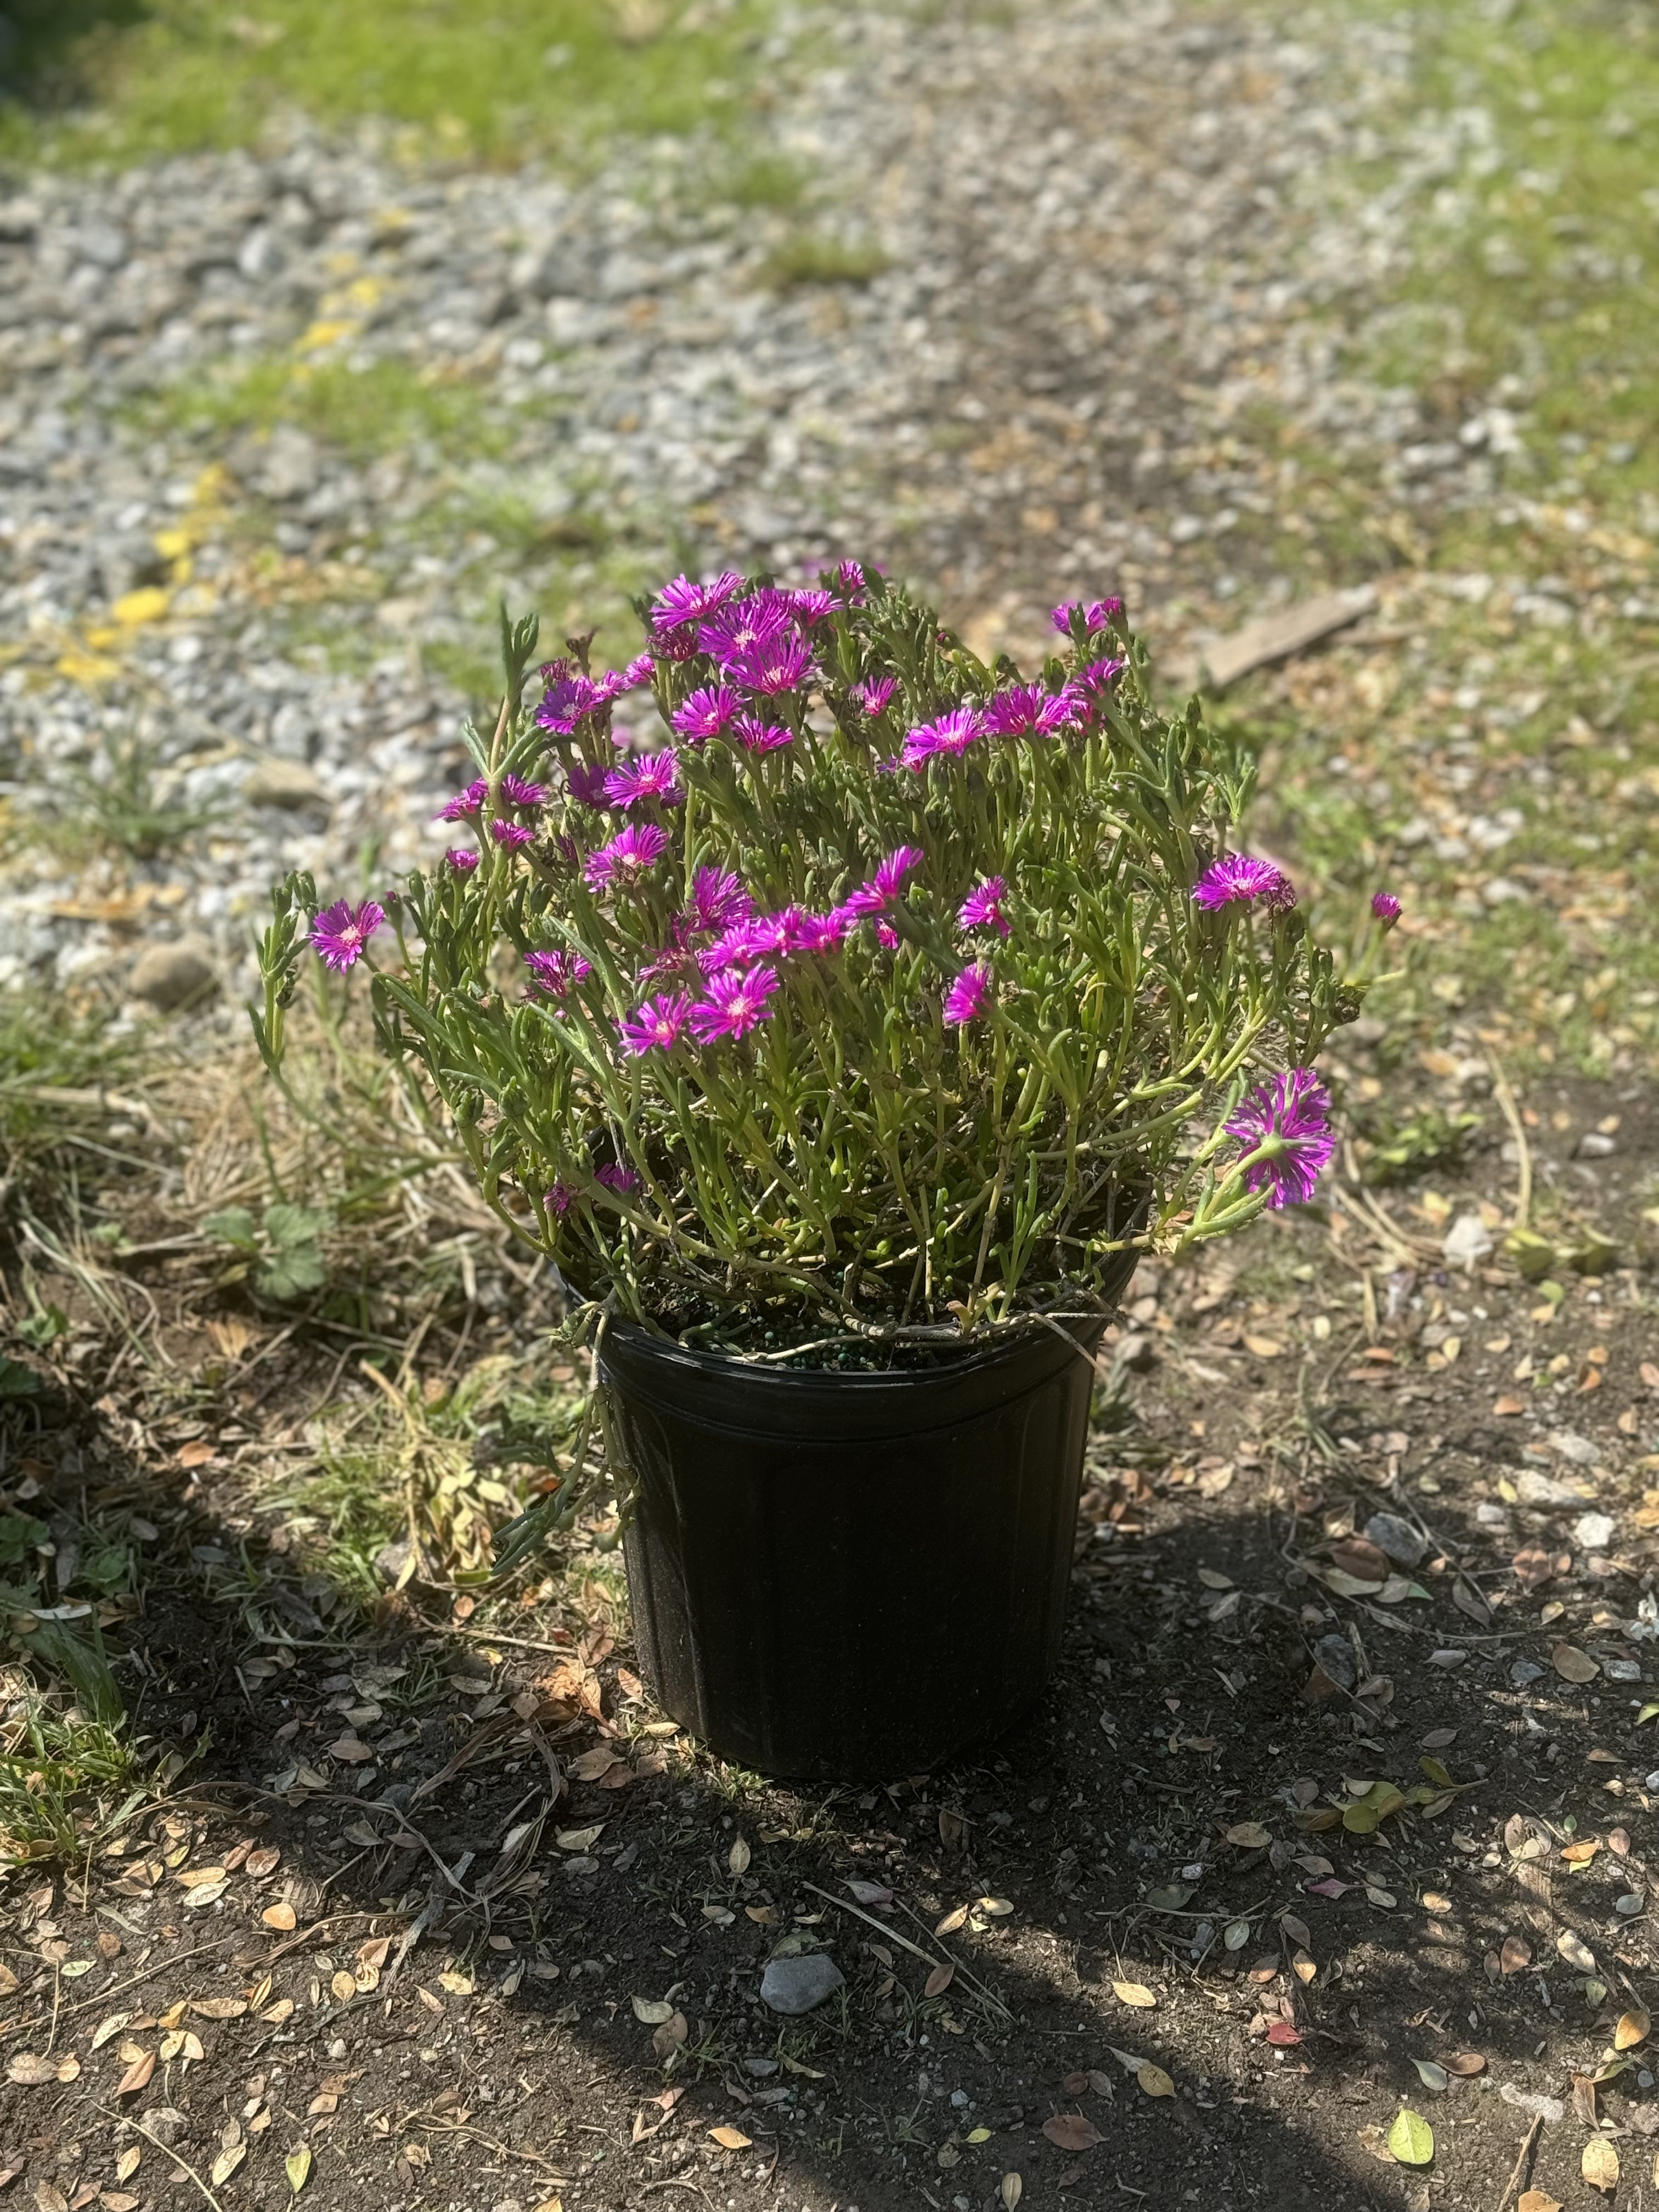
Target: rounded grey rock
column 285, row 783
column 171, row 975
column 797, row 1985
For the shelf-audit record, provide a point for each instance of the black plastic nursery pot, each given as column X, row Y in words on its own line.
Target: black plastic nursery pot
column 849, row 1576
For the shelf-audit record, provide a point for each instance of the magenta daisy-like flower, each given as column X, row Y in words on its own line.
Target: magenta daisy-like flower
column 850, row 576
column 1386, row 907
column 786, row 932
column 756, row 736
column 812, row 606
column 657, row 1025
column 555, row 974
column 560, row 1198
column 640, row 669
column 462, row 861
column 874, row 695
column 825, row 933
column 518, row 792
column 1096, row 614
column 682, row 602
column 627, row 857
column 340, row 934
column 772, row 664
column 465, row 803
column 705, row 713
column 623, row 1181
column 733, row 948
column 982, row 909
column 737, row 626
column 737, row 1000
column 970, row 996
column 652, row 775
column 512, row 834
column 904, row 861
column 1027, row 710
column 565, row 700
column 1236, row 878
column 1283, row 1127
column 718, row 899
column 887, row 936
column 1099, row 674
column 585, row 785
column 950, row 733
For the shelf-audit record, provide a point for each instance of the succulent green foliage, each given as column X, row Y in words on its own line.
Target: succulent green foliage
column 857, row 1167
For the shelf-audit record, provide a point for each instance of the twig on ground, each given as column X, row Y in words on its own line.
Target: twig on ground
column 150, row 1974
column 182, row 2165
column 1511, row 1114
column 1516, row 2177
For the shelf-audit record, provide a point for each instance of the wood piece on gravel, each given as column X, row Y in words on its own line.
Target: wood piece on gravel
column 1272, row 637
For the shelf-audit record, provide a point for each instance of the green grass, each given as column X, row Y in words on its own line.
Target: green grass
column 384, row 407
column 123, row 80
column 810, row 257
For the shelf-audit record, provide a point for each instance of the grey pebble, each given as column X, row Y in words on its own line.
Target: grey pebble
column 173, row 975
column 1335, row 1656
column 797, row 1985
column 288, row 784
column 1397, row 1538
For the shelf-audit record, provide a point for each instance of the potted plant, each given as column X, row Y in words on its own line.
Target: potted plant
column 841, row 1046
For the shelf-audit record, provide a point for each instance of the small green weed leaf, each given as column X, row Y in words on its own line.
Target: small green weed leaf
column 1411, row 2138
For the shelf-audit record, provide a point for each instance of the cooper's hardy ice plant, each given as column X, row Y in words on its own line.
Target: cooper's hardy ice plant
column 879, row 1001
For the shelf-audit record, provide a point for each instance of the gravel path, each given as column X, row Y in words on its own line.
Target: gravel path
column 1110, row 244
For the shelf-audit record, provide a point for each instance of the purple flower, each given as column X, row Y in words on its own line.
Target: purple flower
column 772, row 664
column 560, row 1198
column 812, row 606
column 733, row 948
column 1096, row 614
column 756, row 736
column 461, row 861
column 465, row 802
column 874, row 695
column 736, row 1002
column 968, row 996
column 887, row 936
column 1237, row 878
column 340, row 934
column 737, row 626
column 823, row 932
column 850, row 576
column 705, row 713
column 683, row 602
column 718, row 899
column 952, row 733
column 585, row 785
column 1099, row 674
column 982, row 907
column 564, row 702
column 640, row 669
column 657, row 1026
column 627, row 857
column 652, row 775
column 517, row 792
column 554, row 974
column 780, row 932
column 512, row 834
column 1386, row 907
column 904, row 861
column 1283, row 1127
column 1026, row 709
column 623, row 1181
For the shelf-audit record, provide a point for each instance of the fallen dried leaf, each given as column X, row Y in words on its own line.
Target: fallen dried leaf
column 738, row 1858
column 1154, row 2080
column 1633, row 2028
column 1600, row 2165
column 1411, row 2138
column 1573, row 1665
column 1249, row 1836
column 136, row 2075
column 939, row 1981
column 730, row 2138
column 1132, row 1993
column 281, row 1917
column 1072, row 2131
column 1514, row 1954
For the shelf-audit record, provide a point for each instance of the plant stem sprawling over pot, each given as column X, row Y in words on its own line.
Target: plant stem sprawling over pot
column 875, row 997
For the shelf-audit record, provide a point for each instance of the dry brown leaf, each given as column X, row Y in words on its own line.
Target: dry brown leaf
column 1465, row 2062
column 1600, row 2165
column 227, row 2163
column 1297, row 1929
column 670, row 2036
column 30, row 2071
column 199, row 1877
column 1011, row 2191
column 1072, row 2131
column 1249, row 1836
column 1537, row 2200
column 1633, row 2027
column 1303, row 1966
column 1132, row 1993
column 1154, row 2080
column 738, row 1858
column 219, row 2008
column 1263, row 1347
column 263, row 1861
column 1514, row 1954
column 1573, row 1665
column 939, row 1981
column 280, row 1916
column 129, row 2162
column 952, row 1920
column 107, row 2028
column 136, row 2075
column 731, row 2138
